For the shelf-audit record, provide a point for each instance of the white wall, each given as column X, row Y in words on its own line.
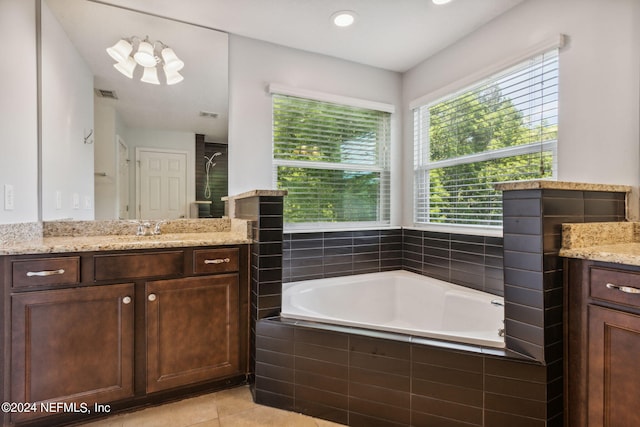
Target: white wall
column 253, row 65
column 67, row 103
column 18, row 111
column 171, row 140
column 599, row 103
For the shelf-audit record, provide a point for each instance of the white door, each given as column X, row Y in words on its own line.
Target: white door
column 123, row 179
column 162, row 184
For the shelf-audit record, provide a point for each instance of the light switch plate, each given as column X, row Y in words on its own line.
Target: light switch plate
column 9, row 197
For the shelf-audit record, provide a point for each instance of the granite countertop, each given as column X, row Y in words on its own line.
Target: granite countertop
column 114, row 235
column 616, row 242
column 539, row 184
column 91, row 236
column 117, row 243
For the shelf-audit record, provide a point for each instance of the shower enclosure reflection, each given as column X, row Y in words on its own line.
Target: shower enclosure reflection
column 211, row 178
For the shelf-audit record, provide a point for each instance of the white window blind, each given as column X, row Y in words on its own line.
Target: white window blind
column 332, row 159
column 503, row 128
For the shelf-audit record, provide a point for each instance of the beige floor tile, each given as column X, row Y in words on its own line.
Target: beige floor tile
column 226, row 408
column 324, row 423
column 233, row 400
column 115, row 421
column 210, row 423
column 179, row 414
column 267, row 417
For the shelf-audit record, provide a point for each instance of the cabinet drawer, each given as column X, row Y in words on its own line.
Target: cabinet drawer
column 207, row 261
column 617, row 286
column 46, row 271
column 132, row 266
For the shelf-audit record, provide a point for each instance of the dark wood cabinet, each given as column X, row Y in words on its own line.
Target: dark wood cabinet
column 192, row 330
column 602, row 380
column 72, row 345
column 123, row 328
column 613, row 374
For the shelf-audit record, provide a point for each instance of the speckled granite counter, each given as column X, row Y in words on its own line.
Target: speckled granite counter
column 616, row 242
column 561, row 185
column 89, row 236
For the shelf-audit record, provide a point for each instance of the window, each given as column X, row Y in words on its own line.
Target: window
column 501, row 129
column 333, row 159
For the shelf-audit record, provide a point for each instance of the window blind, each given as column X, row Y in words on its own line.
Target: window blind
column 332, row 159
column 503, row 128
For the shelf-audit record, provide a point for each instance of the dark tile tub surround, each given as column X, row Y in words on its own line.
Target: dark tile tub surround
column 348, row 378
column 365, row 381
column 319, row 255
column 523, row 266
column 467, row 260
column 533, row 276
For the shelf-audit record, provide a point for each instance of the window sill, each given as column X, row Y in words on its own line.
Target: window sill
column 319, row 228
column 459, row 229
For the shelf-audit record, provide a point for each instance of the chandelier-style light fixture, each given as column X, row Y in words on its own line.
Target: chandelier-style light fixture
column 148, row 55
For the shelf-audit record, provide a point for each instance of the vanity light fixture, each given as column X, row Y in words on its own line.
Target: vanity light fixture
column 343, row 18
column 440, row 2
column 134, row 51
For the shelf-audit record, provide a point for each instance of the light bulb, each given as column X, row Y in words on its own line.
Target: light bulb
column 173, row 77
column 126, row 67
column 171, row 60
column 144, row 56
column 150, row 75
column 343, row 18
column 120, row 51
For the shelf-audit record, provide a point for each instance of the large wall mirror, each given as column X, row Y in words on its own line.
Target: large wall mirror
column 115, row 147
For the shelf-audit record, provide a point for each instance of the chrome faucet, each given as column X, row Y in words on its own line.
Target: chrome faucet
column 144, row 229
column 156, row 230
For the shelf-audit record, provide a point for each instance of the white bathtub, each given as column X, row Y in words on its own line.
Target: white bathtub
column 399, row 301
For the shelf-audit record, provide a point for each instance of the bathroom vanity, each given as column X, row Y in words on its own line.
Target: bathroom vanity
column 121, row 321
column 602, row 324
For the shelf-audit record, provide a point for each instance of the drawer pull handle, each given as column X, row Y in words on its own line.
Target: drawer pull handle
column 126, row 300
column 152, row 297
column 625, row 289
column 217, row 261
column 45, row 273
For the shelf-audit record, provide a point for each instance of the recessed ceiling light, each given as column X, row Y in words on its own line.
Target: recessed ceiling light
column 439, row 2
column 343, row 18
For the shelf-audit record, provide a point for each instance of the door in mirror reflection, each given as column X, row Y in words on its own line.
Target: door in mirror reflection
column 162, row 178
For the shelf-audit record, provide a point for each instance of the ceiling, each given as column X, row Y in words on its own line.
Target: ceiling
column 390, row 34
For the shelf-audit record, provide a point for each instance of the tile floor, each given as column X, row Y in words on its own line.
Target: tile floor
column 227, row 408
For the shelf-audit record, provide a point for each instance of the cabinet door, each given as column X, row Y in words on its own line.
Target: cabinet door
column 72, row 345
column 192, row 330
column 614, row 346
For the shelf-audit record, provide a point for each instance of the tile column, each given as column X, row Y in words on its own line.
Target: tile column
column 264, row 209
